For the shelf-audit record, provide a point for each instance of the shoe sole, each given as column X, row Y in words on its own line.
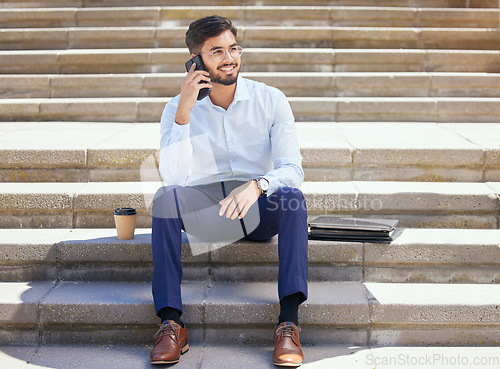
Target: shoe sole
column 287, row 364
column 163, row 362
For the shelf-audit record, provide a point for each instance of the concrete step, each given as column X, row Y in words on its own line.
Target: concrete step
column 245, row 313
column 170, row 60
column 344, row 16
column 92, row 255
column 371, row 3
column 340, row 109
column 254, row 36
column 209, row 356
column 307, row 84
column 117, row 152
column 416, row 204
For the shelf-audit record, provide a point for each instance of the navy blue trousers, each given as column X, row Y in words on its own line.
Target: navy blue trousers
column 196, row 211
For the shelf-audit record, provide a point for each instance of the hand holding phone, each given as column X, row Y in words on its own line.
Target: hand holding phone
column 204, row 92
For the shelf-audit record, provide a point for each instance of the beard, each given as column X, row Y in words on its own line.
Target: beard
column 225, row 80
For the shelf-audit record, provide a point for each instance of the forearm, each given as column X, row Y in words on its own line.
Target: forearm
column 182, row 115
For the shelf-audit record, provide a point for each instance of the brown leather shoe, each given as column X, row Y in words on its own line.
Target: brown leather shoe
column 172, row 340
column 287, row 349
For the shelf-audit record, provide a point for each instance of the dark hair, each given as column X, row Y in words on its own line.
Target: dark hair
column 204, row 28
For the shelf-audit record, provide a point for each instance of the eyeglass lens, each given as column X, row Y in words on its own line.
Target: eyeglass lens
column 219, row 55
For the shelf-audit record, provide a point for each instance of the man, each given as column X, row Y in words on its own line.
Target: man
column 232, row 167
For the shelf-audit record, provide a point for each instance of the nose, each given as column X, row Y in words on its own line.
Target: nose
column 227, row 53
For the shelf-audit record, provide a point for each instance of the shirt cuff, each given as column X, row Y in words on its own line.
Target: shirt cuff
column 179, row 132
column 274, row 184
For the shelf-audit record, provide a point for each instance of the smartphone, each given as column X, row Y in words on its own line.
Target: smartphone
column 204, row 92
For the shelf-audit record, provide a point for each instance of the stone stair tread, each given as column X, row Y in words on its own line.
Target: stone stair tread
column 56, row 30
column 457, row 152
column 373, row 84
column 73, row 136
column 256, row 59
column 68, row 190
column 104, row 236
column 371, row 3
column 415, row 204
column 180, row 29
column 354, row 136
column 261, row 36
column 52, row 299
column 322, row 99
column 418, row 255
column 414, row 245
column 228, row 303
column 149, row 109
column 75, row 189
column 262, row 15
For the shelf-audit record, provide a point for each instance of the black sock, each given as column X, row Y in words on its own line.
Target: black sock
column 290, row 308
column 168, row 313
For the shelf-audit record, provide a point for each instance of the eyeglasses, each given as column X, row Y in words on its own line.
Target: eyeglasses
column 220, row 54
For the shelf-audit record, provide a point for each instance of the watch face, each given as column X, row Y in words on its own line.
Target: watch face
column 263, row 184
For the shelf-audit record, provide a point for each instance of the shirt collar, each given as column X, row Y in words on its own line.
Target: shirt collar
column 241, row 92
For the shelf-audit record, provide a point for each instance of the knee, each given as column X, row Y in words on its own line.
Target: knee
column 164, row 202
column 165, row 193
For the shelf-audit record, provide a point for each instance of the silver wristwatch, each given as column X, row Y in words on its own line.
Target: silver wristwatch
column 263, row 184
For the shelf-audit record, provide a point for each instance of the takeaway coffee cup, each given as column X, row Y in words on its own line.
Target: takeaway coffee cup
column 125, row 223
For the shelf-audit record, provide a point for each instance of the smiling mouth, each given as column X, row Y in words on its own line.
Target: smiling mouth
column 228, row 68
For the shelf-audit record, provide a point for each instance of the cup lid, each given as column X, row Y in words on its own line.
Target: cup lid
column 125, row 211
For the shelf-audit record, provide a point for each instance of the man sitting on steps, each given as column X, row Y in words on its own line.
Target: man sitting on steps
column 232, row 167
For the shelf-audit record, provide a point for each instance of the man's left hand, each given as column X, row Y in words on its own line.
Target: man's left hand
column 240, row 200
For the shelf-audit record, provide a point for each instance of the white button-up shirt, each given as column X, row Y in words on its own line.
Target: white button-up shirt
column 255, row 137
